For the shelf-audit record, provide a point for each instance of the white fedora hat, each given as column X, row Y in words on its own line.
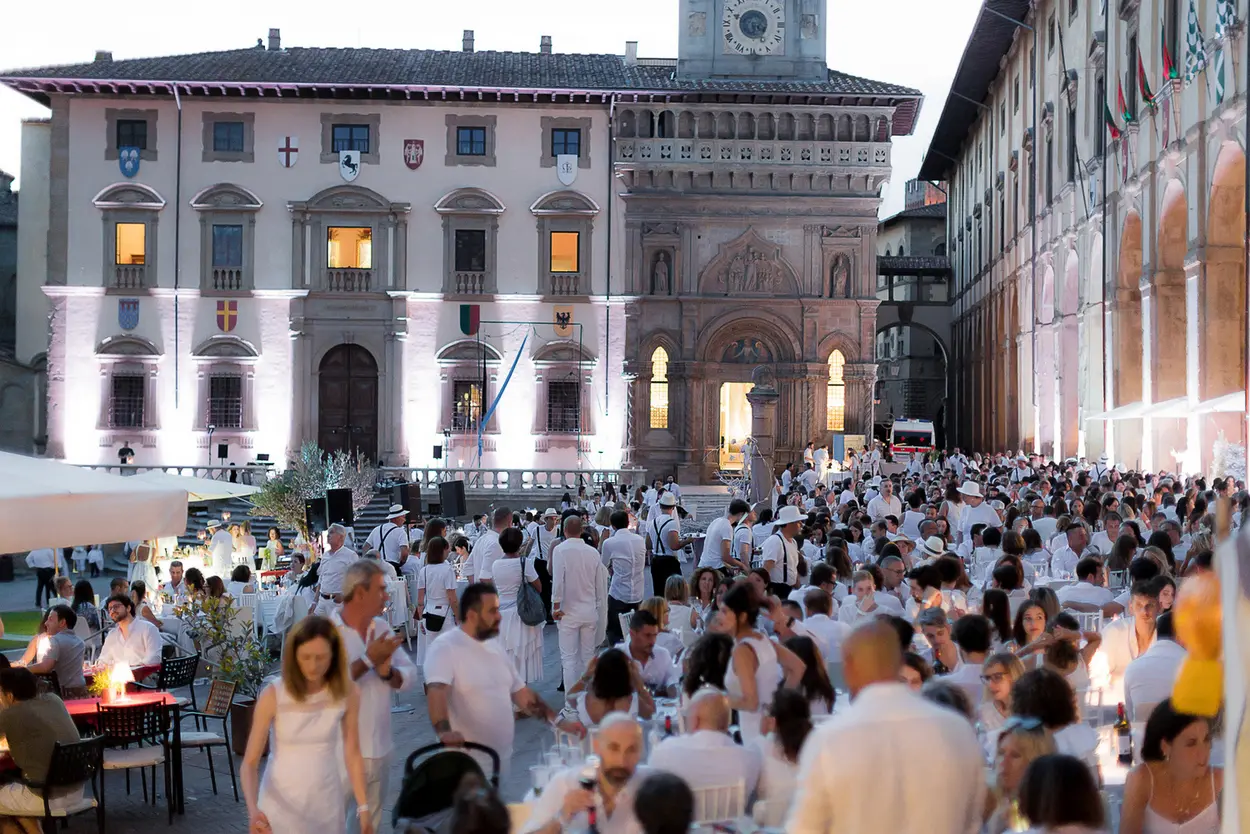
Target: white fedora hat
column 789, row 514
column 971, row 488
column 550, row 512
column 396, row 509
column 668, row 499
column 212, row 524
column 934, row 546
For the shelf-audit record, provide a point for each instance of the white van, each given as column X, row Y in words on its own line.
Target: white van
column 911, row 437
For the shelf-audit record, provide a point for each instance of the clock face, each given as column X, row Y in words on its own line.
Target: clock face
column 754, row 27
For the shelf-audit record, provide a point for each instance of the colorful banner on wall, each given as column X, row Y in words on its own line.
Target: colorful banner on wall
column 470, row 318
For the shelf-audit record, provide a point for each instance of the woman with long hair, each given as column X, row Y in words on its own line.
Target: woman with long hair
column 1123, row 550
column 996, row 607
column 435, row 528
column 615, row 685
column 436, row 595
column 999, row 673
column 216, row 588
column 1058, row 794
column 193, row 578
column 1020, row 742
column 703, row 592
column 522, row 643
column 1029, row 630
column 314, row 714
column 953, row 507
column 84, row 604
column 786, row 726
column 1174, row 788
column 681, row 614
column 815, row 683
column 757, row 665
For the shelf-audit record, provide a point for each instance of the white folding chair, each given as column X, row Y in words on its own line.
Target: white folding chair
column 400, row 615
column 1111, row 804
column 722, row 803
column 1089, row 620
column 247, row 601
column 1090, row 701
column 625, row 618
column 1116, row 580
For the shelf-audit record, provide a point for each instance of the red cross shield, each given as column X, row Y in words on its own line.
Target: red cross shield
column 227, row 315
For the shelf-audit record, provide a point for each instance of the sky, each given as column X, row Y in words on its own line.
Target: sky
column 915, row 43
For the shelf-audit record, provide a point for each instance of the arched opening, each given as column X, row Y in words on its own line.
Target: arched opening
column 347, row 401
column 911, row 374
column 835, row 400
column 1047, row 353
column 659, row 389
column 1167, row 299
column 863, row 130
column 1068, row 435
column 1126, row 324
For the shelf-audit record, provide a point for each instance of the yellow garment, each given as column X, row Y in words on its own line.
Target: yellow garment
column 1199, row 687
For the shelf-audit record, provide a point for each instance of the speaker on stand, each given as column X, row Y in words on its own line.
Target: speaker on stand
column 409, row 496
column 315, row 515
column 451, row 495
column 339, row 506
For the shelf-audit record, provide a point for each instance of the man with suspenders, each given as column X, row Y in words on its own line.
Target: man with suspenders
column 664, row 542
column 780, row 551
column 390, row 538
column 545, row 536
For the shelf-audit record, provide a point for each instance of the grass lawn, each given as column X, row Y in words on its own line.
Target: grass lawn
column 21, row 622
column 10, row 645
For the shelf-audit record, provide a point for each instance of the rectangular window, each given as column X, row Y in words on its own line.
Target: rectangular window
column 1032, row 189
column 1130, row 75
column 1050, row 34
column 470, row 250
column 126, row 403
column 471, row 141
column 566, row 141
column 228, row 137
column 350, row 247
column 564, row 406
column 1015, row 206
column 1015, row 97
column 1071, row 146
column 1073, row 5
column 132, row 133
column 1002, row 118
column 228, row 246
column 564, row 251
column 131, row 244
column 1002, row 221
column 1032, row 68
column 1100, row 101
column 1050, row 170
column 466, row 405
column 225, row 402
column 349, row 138
column 1171, row 24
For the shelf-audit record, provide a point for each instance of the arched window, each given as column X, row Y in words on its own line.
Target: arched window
column 836, row 407
column 659, row 389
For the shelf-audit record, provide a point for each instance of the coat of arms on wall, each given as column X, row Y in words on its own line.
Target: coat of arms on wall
column 414, row 153
column 127, row 313
column 227, row 315
column 128, row 160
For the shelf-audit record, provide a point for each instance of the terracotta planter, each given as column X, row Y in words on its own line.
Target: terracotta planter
column 241, row 713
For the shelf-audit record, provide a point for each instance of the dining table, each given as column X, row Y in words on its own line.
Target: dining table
column 139, row 673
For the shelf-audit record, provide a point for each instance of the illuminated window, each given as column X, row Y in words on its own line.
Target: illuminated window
column 564, row 251
column 131, row 243
column 836, row 406
column 466, row 408
column 126, row 402
column 659, row 389
column 350, row 247
column 564, row 406
column 225, row 402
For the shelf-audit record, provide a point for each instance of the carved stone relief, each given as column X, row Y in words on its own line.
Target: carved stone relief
column 696, row 25
column 840, row 282
column 662, row 273
column 749, row 265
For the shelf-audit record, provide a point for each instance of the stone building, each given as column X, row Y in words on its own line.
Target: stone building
column 1100, row 269
column 368, row 247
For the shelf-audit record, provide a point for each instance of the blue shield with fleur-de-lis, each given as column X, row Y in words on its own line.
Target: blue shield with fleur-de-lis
column 128, row 160
column 128, row 313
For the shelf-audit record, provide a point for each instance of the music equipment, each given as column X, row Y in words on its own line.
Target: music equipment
column 436, row 511
column 409, row 495
column 451, row 496
column 223, row 451
column 438, row 452
column 316, row 515
column 339, row 506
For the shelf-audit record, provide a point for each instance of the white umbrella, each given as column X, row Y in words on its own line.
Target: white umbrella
column 198, row 489
column 47, row 503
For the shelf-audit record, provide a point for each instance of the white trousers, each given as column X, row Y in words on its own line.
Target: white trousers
column 377, row 780
column 577, row 647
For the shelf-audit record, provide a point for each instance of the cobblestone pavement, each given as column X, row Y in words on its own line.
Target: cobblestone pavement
column 220, row 813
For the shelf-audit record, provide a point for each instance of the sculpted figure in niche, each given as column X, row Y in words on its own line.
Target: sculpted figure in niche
column 660, row 275
column 840, row 280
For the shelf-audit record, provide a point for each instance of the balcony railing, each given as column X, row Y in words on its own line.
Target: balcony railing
column 227, row 278
column 130, row 276
column 751, row 152
column 469, row 283
column 349, row 280
column 566, row 283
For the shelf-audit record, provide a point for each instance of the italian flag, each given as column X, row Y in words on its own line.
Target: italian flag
column 1169, row 69
column 1123, row 105
column 1110, row 119
column 1143, row 86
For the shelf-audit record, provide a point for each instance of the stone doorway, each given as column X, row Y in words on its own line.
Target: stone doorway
column 347, row 402
column 735, row 424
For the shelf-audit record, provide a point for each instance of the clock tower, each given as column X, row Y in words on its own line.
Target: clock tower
column 752, row 39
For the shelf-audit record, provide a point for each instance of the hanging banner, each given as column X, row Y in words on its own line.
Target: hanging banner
column 490, row 412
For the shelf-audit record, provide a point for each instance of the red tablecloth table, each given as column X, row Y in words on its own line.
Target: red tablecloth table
column 139, row 673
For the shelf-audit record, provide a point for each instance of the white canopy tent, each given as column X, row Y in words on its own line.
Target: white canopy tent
column 198, row 489
column 47, row 503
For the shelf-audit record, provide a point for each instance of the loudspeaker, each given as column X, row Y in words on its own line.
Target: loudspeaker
column 223, row 451
column 451, row 495
column 409, row 495
column 315, row 515
column 339, row 506
column 436, row 511
column 438, row 453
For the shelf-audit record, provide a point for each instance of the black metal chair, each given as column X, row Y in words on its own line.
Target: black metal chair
column 175, row 673
column 146, row 726
column 72, row 766
column 49, row 684
column 220, row 696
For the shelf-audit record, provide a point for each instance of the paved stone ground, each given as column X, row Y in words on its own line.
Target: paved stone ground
column 204, row 811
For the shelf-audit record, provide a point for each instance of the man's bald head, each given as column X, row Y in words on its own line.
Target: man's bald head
column 709, row 710
column 871, row 654
column 573, row 527
column 619, row 747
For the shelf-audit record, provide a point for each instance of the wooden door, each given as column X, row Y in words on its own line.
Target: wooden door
column 347, row 414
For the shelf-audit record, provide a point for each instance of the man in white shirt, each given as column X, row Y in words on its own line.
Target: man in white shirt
column 545, row 536
column 973, row 635
column 133, row 642
column 486, row 549
column 220, row 551
column 471, row 684
column 564, row 803
column 390, row 538
column 42, row 561
column 706, row 756
column 975, row 511
column 887, row 503
column 742, row 545
column 331, row 569
column 378, row 665
column 1066, row 558
column 809, row 478
column 175, row 587
column 780, row 551
column 886, row 724
column 718, row 541
column 664, row 541
column 821, row 458
column 671, row 486
column 659, row 672
column 625, row 554
column 1126, row 639
column 828, row 633
column 575, row 568
column 1148, row 680
column 1089, row 588
column 1104, row 539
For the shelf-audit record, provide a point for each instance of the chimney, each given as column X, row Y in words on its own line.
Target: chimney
column 275, row 40
column 631, row 53
column 544, row 45
column 467, row 46
column 102, row 55
column 6, row 183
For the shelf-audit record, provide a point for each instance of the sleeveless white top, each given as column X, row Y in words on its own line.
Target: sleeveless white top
column 767, row 680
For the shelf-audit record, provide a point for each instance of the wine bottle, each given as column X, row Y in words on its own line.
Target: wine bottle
column 589, row 780
column 668, row 726
column 1123, row 737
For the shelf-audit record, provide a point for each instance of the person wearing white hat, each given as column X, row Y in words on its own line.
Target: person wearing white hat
column 1100, row 469
column 1021, row 471
column 780, row 551
column 220, row 550
column 976, row 511
column 932, row 549
column 390, row 539
column 664, row 541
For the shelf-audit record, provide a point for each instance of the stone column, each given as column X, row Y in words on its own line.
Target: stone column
column 763, row 398
column 57, row 401
column 629, row 457
column 861, row 380
column 301, row 381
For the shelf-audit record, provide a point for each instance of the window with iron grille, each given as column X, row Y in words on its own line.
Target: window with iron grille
column 564, row 406
column 349, row 138
column 466, row 407
column 132, row 133
column 566, row 141
column 228, row 137
column 225, row 402
column 126, row 404
column 471, row 141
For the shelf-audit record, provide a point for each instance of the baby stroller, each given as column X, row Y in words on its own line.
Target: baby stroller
column 433, row 776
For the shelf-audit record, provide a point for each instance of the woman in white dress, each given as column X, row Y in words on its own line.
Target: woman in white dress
column 314, row 714
column 523, row 644
column 786, row 727
column 436, row 596
column 756, row 665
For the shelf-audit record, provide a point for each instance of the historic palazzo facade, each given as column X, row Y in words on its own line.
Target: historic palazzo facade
column 370, row 248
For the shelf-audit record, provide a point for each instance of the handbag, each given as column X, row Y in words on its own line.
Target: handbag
column 529, row 603
column 434, row 622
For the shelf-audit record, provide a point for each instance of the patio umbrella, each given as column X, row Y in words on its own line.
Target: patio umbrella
column 198, row 489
